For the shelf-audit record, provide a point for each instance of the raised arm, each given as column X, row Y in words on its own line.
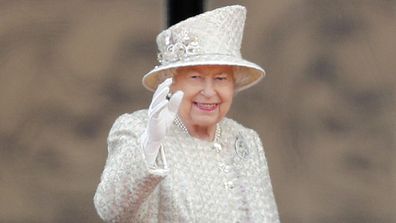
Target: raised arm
column 127, row 180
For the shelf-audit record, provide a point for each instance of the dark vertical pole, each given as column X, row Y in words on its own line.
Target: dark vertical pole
column 179, row 10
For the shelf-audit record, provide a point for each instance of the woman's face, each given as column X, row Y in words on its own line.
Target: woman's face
column 208, row 93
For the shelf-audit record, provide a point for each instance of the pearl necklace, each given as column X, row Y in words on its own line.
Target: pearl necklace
column 181, row 125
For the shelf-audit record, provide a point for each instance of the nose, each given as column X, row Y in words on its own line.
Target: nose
column 208, row 89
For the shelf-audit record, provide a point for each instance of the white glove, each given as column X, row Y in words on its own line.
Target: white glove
column 161, row 113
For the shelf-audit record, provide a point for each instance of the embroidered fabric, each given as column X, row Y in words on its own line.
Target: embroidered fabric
column 200, row 183
column 179, row 44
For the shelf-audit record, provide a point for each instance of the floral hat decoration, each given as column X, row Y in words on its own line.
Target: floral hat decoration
column 210, row 38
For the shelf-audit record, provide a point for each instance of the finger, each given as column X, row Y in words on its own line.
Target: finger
column 175, row 101
column 159, row 91
column 159, row 96
column 155, row 110
column 163, row 85
column 166, row 83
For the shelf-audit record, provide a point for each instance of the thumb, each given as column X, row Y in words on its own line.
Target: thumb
column 175, row 101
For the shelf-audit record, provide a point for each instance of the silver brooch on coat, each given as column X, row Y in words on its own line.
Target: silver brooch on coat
column 241, row 147
column 179, row 44
column 217, row 147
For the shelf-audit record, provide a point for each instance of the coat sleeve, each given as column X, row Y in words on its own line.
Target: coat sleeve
column 271, row 210
column 126, row 180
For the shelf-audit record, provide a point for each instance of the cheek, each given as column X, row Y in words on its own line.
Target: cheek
column 189, row 93
column 230, row 96
column 227, row 94
column 185, row 107
column 187, row 100
column 227, row 101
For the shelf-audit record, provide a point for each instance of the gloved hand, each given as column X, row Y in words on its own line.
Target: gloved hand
column 161, row 113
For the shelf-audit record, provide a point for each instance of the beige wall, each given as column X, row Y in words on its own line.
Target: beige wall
column 326, row 110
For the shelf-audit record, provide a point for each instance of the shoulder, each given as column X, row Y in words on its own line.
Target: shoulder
column 134, row 120
column 134, row 117
column 237, row 127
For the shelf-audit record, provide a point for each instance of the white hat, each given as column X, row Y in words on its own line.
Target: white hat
column 210, row 38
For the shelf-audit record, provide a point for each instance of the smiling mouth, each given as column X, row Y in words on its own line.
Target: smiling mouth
column 206, row 106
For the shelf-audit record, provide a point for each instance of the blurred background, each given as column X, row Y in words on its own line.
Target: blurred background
column 326, row 110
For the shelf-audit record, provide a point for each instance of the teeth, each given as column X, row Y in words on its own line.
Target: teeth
column 206, row 106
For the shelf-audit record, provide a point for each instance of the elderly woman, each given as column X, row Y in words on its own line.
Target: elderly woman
column 182, row 160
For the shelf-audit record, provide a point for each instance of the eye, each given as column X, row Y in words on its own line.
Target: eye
column 221, row 78
column 195, row 76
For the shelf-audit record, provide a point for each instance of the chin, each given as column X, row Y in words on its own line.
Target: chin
column 206, row 121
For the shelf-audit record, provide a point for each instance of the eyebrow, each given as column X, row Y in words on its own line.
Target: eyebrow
column 227, row 73
column 197, row 69
column 216, row 73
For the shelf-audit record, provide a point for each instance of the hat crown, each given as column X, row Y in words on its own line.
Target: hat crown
column 217, row 32
column 210, row 38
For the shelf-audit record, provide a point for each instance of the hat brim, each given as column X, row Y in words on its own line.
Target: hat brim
column 246, row 75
